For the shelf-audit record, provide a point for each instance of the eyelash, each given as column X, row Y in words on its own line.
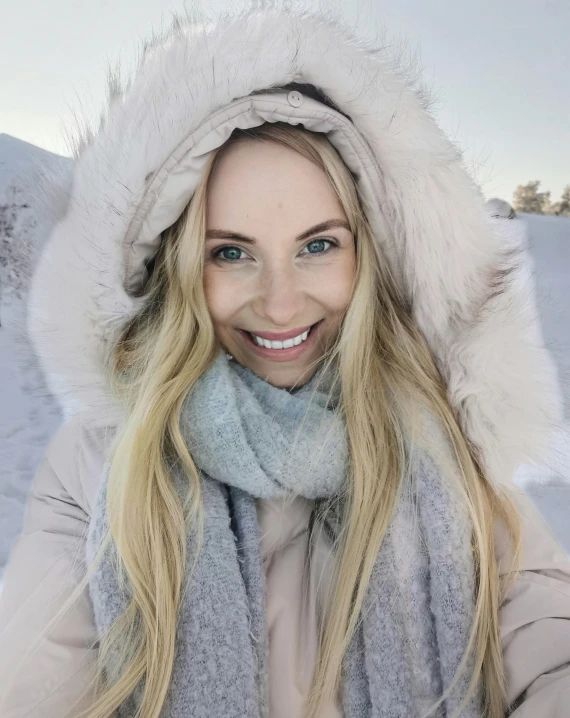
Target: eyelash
column 216, row 252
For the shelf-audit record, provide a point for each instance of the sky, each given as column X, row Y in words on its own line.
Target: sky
column 499, row 71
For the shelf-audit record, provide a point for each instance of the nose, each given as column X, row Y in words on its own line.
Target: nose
column 281, row 297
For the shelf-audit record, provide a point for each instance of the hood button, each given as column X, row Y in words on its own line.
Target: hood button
column 295, row 98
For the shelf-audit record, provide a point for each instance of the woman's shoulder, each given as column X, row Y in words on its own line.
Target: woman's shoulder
column 535, row 618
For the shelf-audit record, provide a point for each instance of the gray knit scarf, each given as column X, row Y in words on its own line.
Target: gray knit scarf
column 419, row 603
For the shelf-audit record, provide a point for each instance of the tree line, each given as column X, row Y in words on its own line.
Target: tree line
column 527, row 198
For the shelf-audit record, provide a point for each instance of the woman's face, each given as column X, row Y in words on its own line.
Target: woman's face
column 269, row 268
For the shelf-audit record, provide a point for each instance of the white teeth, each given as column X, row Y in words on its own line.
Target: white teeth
column 294, row 341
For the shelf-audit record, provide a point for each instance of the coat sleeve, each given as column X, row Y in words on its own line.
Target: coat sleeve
column 535, row 622
column 45, row 565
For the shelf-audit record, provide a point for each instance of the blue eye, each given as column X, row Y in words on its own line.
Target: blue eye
column 217, row 253
column 320, row 241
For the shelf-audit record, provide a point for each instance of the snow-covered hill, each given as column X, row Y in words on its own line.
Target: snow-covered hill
column 29, row 416
column 34, row 187
column 18, row 159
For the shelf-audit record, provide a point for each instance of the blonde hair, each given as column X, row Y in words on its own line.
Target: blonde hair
column 387, row 378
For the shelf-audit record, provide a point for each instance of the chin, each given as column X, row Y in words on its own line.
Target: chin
column 290, row 379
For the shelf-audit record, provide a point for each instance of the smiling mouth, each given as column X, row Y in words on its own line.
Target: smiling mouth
column 284, row 354
column 251, row 335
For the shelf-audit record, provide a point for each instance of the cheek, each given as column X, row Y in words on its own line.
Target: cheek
column 220, row 298
column 336, row 291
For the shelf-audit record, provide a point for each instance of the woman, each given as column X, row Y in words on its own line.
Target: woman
column 323, row 529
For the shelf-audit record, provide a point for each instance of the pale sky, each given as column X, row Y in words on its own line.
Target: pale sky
column 498, row 69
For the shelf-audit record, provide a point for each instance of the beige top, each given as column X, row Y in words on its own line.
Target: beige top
column 298, row 577
column 47, row 562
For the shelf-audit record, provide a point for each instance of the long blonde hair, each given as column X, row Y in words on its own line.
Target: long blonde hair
column 387, row 377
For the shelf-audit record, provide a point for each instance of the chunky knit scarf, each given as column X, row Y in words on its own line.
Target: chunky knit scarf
column 251, row 439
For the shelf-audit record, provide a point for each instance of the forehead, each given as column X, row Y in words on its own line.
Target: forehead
column 258, row 185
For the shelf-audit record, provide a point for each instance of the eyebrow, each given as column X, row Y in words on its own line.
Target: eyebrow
column 321, row 227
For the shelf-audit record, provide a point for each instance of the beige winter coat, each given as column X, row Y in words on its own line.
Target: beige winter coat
column 46, row 563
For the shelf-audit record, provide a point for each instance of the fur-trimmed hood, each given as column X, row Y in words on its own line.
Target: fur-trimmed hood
column 464, row 275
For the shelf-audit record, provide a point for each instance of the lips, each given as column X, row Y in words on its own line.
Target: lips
column 282, row 336
column 285, row 335
column 282, row 355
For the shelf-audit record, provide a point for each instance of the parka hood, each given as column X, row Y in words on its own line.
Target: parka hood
column 464, row 276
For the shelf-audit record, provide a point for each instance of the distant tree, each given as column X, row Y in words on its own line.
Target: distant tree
column 16, row 250
column 562, row 208
column 527, row 198
column 565, row 201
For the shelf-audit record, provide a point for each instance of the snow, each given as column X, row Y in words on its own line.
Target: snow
column 16, row 158
column 549, row 243
column 499, row 208
column 30, row 416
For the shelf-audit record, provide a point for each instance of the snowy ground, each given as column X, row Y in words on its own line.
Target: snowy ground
column 29, row 416
column 549, row 242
